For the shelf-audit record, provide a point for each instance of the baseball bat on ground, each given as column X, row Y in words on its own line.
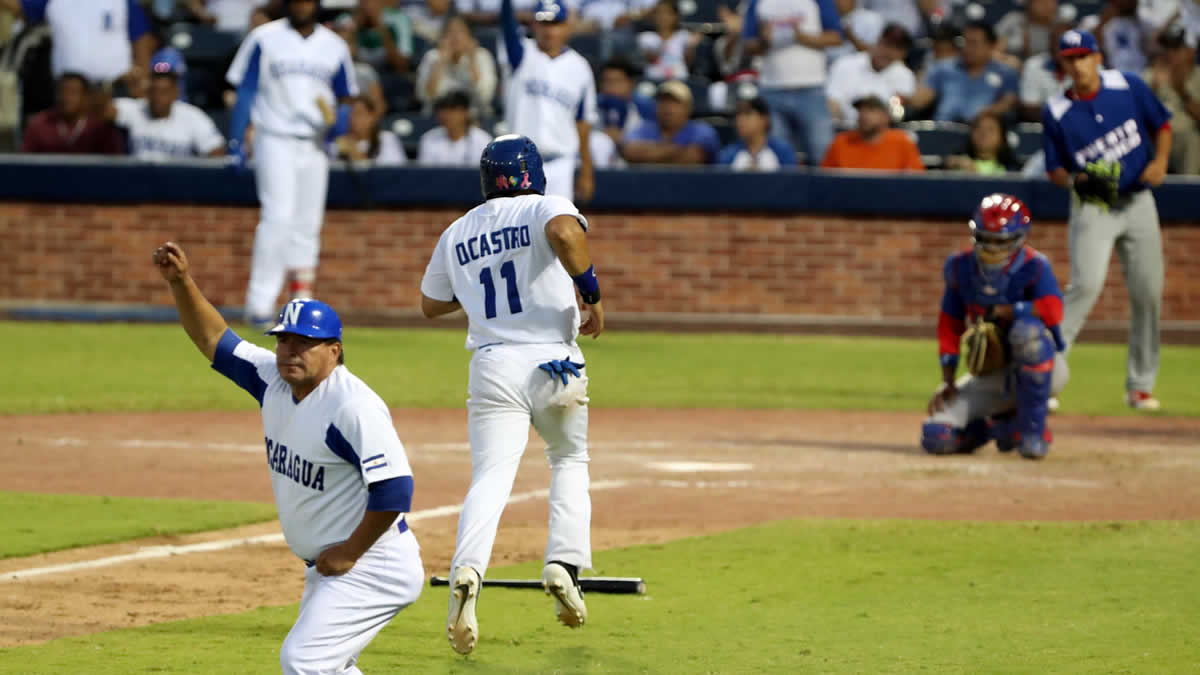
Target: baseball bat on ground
column 622, row 585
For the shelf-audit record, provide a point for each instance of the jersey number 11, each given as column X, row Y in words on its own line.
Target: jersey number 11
column 508, row 271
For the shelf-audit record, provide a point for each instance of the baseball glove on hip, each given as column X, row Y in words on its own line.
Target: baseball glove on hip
column 985, row 351
column 1099, row 182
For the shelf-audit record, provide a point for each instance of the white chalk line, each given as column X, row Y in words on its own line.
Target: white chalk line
column 168, row 551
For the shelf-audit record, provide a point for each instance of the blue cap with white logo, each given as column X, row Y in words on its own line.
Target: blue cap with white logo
column 1077, row 43
column 551, row 11
column 310, row 318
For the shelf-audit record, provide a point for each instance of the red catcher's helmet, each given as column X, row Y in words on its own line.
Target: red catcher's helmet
column 999, row 227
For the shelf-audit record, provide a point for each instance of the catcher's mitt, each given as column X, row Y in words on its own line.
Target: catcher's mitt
column 1098, row 183
column 985, row 351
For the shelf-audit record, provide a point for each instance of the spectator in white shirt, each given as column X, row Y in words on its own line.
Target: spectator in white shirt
column 792, row 36
column 879, row 72
column 669, row 49
column 230, row 16
column 160, row 126
column 103, row 40
column 1023, row 34
column 1123, row 36
column 455, row 141
column 458, row 64
column 365, row 141
column 1043, row 76
column 861, row 27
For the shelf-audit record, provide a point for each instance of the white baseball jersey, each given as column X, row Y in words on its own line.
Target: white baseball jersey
column 288, row 72
column 323, row 452
column 497, row 262
column 545, row 97
column 185, row 131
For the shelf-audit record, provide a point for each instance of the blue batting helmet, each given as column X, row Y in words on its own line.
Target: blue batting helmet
column 511, row 164
column 1000, row 224
column 310, row 318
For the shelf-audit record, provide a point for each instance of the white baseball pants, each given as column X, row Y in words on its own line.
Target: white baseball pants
column 339, row 616
column 292, row 177
column 507, row 393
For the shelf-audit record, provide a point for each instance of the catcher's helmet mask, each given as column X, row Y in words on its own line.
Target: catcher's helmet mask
column 999, row 227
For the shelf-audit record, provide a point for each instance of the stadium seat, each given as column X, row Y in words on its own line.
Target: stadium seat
column 203, row 87
column 1028, row 141
column 939, row 139
column 724, row 126
column 589, row 45
column 409, row 128
column 399, row 89
column 699, row 86
column 202, row 44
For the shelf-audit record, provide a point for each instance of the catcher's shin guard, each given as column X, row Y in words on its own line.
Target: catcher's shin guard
column 938, row 438
column 1033, row 351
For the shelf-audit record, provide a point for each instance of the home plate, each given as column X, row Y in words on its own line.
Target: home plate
column 697, row 467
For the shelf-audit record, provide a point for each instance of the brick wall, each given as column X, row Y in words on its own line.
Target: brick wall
column 650, row 262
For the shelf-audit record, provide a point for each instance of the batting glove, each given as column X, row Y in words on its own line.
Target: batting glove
column 561, row 369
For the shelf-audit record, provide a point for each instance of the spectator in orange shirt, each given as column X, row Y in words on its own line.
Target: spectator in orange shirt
column 874, row 144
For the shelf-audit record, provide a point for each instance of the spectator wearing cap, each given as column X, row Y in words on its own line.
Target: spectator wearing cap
column 458, row 64
column 879, row 72
column 672, row 138
column 227, row 16
column 669, row 49
column 755, row 150
column 365, row 141
column 792, row 36
column 67, row 128
column 384, row 36
column 1175, row 80
column 1023, row 34
column 971, row 84
column 874, row 144
column 160, row 126
column 550, row 96
column 620, row 109
column 102, row 40
column 1043, row 76
column 455, row 141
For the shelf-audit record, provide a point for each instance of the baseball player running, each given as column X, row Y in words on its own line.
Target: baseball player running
column 550, row 96
column 1007, row 293
column 341, row 479
column 509, row 263
column 1108, row 139
column 289, row 74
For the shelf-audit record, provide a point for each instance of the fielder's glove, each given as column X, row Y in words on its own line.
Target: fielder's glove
column 985, row 351
column 561, row 369
column 1099, row 182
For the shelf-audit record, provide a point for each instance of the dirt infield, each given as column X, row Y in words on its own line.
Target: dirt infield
column 658, row 475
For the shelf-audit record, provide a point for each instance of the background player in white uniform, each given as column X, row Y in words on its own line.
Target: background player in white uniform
column 341, row 479
column 289, row 73
column 550, row 96
column 161, row 127
column 509, row 264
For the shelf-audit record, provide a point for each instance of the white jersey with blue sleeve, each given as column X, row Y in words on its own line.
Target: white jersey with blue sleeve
column 497, row 262
column 284, row 73
column 185, row 132
column 332, row 456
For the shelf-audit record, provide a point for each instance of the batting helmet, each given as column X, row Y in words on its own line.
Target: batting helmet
column 310, row 318
column 511, row 164
column 999, row 227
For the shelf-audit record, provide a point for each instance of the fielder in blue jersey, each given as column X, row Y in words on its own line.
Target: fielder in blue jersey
column 1108, row 139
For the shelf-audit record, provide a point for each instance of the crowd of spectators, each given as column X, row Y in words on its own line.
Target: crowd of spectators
column 757, row 85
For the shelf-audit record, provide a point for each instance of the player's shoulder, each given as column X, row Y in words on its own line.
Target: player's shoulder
column 578, row 62
column 348, row 392
column 1037, row 259
column 188, row 111
column 269, row 30
column 954, row 261
column 1057, row 106
column 330, row 38
column 1118, row 79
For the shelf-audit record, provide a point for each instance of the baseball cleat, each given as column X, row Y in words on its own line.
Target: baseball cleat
column 462, row 628
column 1141, row 400
column 1052, row 404
column 568, row 598
column 1036, row 447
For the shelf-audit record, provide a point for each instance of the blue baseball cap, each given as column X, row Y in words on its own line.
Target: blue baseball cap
column 310, row 318
column 1077, row 43
column 167, row 61
column 551, row 11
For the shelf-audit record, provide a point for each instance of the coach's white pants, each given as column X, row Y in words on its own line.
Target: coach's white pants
column 508, row 392
column 292, row 177
column 340, row 615
column 560, row 176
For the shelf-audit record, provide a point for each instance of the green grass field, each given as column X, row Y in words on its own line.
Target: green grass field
column 789, row 597
column 124, row 367
column 40, row 523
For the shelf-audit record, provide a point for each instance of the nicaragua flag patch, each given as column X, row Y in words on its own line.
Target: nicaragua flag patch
column 374, row 462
